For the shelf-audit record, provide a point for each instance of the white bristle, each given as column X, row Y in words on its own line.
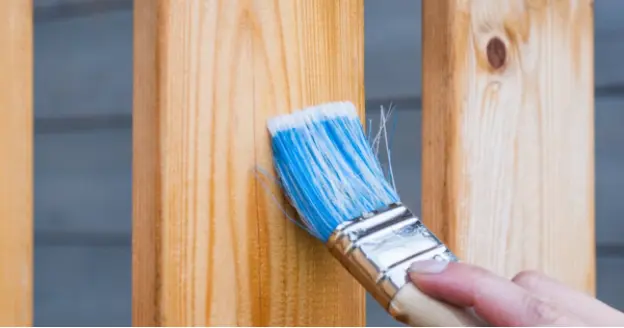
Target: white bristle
column 299, row 118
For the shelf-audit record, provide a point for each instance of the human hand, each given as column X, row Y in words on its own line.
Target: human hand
column 529, row 299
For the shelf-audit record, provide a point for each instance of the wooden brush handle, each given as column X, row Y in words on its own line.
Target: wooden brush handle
column 412, row 307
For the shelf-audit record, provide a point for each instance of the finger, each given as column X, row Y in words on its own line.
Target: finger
column 585, row 307
column 495, row 299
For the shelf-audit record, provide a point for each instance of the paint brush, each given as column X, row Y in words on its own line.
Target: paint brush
column 334, row 180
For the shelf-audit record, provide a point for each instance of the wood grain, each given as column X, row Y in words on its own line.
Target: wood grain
column 211, row 246
column 508, row 144
column 16, row 168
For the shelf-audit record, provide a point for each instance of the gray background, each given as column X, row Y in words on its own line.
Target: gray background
column 83, row 153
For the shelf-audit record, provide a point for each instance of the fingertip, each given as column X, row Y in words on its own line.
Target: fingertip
column 441, row 280
column 530, row 279
column 427, row 267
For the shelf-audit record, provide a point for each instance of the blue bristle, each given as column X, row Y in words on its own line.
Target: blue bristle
column 326, row 166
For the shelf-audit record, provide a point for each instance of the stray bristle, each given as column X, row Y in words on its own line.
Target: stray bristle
column 326, row 166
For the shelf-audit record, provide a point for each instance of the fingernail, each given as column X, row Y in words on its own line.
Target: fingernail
column 428, row 267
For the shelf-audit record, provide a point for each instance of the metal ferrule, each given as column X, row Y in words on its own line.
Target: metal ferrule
column 378, row 248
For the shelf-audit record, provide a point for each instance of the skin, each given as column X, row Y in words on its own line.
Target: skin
column 528, row 299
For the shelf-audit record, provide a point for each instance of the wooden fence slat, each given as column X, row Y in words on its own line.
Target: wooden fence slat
column 305, row 52
column 508, row 143
column 210, row 245
column 16, row 168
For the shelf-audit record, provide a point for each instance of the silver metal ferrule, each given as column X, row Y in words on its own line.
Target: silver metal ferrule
column 378, row 248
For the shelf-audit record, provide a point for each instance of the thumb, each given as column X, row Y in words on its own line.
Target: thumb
column 495, row 299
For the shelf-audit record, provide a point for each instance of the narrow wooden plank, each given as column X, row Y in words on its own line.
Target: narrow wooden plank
column 305, row 53
column 508, row 139
column 16, row 169
column 211, row 246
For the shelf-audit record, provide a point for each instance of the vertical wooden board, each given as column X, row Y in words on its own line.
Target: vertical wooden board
column 305, row 53
column 508, row 152
column 16, row 170
column 209, row 246
column 196, row 124
column 146, row 184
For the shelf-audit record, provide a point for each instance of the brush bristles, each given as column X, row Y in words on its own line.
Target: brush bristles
column 326, row 166
column 311, row 115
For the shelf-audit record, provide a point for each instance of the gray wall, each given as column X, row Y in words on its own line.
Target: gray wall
column 83, row 95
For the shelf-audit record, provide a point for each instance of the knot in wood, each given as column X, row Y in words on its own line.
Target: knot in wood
column 496, row 52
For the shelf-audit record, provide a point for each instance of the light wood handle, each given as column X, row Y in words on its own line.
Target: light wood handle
column 412, row 307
